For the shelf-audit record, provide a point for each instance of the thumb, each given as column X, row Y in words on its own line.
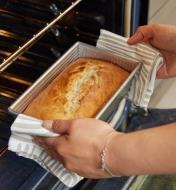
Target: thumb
column 57, row 126
column 143, row 34
column 162, row 72
column 136, row 38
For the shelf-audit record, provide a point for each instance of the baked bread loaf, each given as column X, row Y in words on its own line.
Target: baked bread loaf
column 81, row 90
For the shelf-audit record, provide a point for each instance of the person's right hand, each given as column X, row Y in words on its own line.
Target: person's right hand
column 162, row 37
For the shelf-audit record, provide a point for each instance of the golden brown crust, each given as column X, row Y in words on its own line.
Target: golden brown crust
column 80, row 91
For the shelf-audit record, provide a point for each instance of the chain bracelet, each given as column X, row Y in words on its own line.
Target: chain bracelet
column 104, row 166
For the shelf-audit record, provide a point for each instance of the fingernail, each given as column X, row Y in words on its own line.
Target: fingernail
column 136, row 36
column 47, row 124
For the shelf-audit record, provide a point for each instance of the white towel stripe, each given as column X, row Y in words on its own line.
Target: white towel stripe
column 150, row 58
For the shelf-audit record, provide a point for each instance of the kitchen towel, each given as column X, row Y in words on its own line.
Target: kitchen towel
column 22, row 130
column 21, row 142
column 151, row 59
column 24, row 126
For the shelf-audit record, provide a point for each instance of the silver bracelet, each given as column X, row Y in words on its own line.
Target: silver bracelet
column 104, row 165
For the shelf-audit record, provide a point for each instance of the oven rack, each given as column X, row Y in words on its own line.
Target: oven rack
column 21, row 49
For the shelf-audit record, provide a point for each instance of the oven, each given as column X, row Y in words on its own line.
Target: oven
column 33, row 34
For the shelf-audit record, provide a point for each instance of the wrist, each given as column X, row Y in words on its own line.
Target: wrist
column 106, row 164
column 122, row 155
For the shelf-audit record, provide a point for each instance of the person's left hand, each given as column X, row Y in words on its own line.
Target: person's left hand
column 79, row 145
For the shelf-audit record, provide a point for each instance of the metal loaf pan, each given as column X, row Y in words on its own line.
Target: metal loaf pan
column 76, row 51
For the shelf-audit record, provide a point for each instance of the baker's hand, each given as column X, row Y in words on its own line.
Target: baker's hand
column 79, row 145
column 162, row 37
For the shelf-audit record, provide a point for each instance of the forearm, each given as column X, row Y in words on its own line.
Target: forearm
column 151, row 151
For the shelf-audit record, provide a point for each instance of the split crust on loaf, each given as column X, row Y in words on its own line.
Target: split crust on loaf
column 81, row 90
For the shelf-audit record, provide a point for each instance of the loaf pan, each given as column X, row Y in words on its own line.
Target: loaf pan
column 78, row 50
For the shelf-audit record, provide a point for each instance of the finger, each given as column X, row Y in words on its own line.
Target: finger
column 143, row 34
column 58, row 126
column 136, row 38
column 57, row 145
column 50, row 151
column 162, row 72
column 43, row 141
column 54, row 154
column 51, row 145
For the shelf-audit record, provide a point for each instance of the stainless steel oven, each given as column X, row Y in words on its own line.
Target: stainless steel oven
column 32, row 37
